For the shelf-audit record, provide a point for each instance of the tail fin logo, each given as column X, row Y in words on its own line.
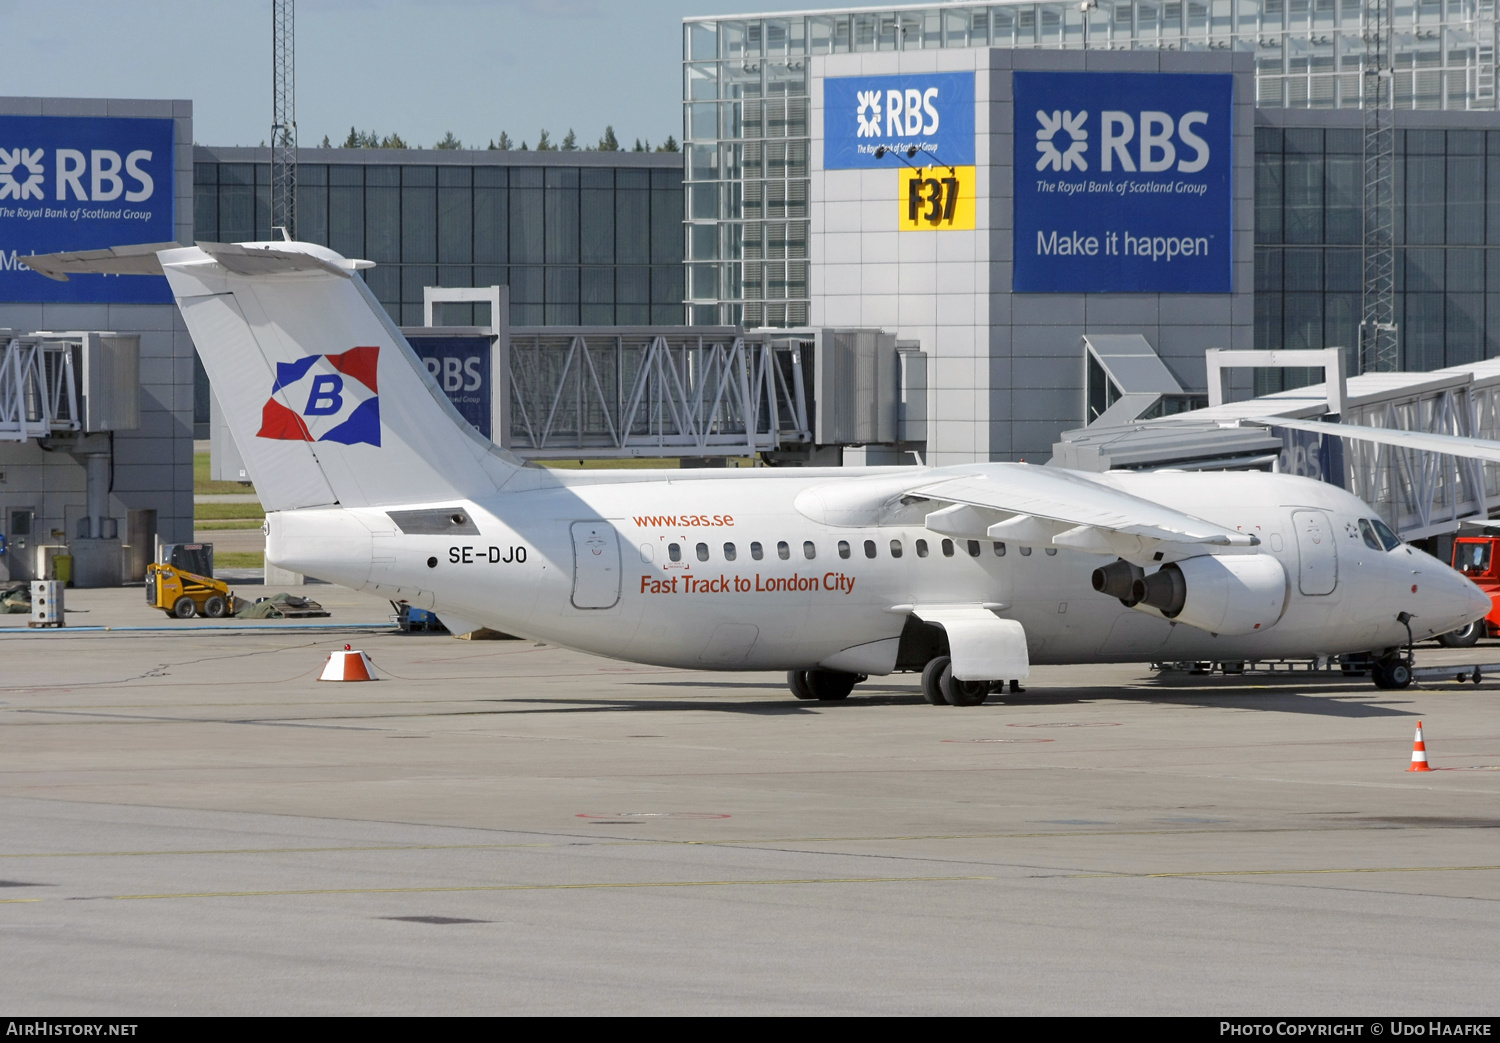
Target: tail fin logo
column 325, row 398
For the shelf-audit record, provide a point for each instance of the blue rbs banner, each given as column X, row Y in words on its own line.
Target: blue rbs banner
column 933, row 112
column 83, row 183
column 461, row 366
column 1123, row 183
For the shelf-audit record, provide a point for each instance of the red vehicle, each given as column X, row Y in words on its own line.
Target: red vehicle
column 1475, row 557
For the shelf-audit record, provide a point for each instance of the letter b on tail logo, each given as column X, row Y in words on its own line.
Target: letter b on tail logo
column 337, row 396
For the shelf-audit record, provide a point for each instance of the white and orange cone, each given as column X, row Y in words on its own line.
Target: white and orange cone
column 348, row 665
column 1419, row 752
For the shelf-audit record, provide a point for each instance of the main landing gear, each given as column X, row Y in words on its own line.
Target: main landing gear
column 1391, row 672
column 822, row 685
column 941, row 688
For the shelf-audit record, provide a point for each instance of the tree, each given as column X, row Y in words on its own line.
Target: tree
column 394, row 141
column 609, row 143
column 504, row 144
column 544, row 143
column 641, row 148
column 570, row 142
column 523, row 146
column 326, row 142
column 449, row 142
column 670, row 145
column 353, row 140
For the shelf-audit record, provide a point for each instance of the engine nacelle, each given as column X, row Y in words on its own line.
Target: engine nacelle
column 1118, row 579
column 1234, row 594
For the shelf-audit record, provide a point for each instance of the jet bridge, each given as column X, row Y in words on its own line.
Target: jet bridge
column 789, row 395
column 1419, row 493
column 68, row 392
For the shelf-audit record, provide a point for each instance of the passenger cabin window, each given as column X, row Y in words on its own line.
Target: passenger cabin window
column 999, row 550
column 808, row 550
column 947, row 548
column 1025, row 552
column 895, row 548
column 674, row 551
column 1051, row 552
column 756, row 551
column 783, row 551
column 1387, row 538
column 729, row 552
column 843, row 548
column 1368, row 532
column 702, row 552
column 869, row 548
column 973, row 548
column 921, row 548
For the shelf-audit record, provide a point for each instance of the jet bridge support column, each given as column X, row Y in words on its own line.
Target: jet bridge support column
column 95, row 547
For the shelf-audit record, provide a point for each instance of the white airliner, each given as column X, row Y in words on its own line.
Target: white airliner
column 968, row 573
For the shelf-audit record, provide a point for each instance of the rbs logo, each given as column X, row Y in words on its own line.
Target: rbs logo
column 1151, row 134
column 99, row 177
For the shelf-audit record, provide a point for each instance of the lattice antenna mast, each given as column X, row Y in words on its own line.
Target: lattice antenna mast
column 1378, row 348
column 284, row 116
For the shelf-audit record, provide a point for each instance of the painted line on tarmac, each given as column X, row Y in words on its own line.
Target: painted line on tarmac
column 793, row 881
column 19, row 901
column 1283, row 872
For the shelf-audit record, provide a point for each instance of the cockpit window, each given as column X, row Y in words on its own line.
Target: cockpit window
column 1388, row 538
column 1473, row 557
column 1368, row 532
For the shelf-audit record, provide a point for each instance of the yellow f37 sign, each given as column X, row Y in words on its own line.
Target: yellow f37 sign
column 936, row 199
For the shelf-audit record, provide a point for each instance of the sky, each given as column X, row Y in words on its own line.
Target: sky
column 419, row 68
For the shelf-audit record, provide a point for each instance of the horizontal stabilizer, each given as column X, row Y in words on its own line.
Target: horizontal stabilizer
column 117, row 260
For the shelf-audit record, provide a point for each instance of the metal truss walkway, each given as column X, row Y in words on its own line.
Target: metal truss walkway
column 38, row 387
column 1419, row 493
column 654, row 391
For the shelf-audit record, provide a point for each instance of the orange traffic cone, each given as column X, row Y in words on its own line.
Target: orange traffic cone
column 348, row 666
column 1419, row 752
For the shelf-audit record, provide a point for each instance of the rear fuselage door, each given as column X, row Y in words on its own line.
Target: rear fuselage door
column 596, row 565
column 1318, row 553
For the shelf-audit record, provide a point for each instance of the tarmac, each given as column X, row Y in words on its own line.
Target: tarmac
column 191, row 823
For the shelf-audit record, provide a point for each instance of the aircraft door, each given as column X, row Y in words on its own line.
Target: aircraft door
column 1317, row 551
column 596, row 565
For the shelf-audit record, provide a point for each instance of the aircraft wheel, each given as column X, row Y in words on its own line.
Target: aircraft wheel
column 796, row 680
column 962, row 693
column 183, row 608
column 1463, row 637
column 829, row 685
column 215, row 607
column 1391, row 674
column 932, row 673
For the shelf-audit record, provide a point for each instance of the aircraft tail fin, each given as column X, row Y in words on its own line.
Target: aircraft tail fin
column 327, row 402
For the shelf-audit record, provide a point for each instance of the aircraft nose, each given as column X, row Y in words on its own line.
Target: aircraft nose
column 1476, row 602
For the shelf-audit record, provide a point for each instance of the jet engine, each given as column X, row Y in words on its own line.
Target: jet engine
column 1234, row 594
column 1118, row 580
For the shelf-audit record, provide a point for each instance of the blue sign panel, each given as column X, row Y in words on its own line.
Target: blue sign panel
column 1123, row 183
column 461, row 367
column 933, row 112
column 83, row 183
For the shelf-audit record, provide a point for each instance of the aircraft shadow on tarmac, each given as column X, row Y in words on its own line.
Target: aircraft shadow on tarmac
column 1341, row 698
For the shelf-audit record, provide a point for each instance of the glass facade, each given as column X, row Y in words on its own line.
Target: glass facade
column 1307, row 242
column 578, row 241
column 745, row 88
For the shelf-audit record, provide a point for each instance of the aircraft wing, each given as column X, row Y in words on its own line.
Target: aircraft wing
column 1052, row 507
column 1453, row 445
